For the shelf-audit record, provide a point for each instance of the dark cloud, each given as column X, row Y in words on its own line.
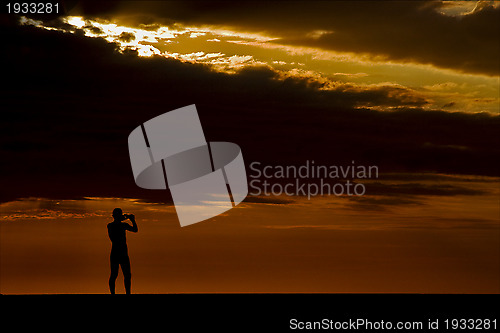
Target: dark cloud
column 381, row 196
column 415, row 32
column 400, row 30
column 380, row 204
column 126, row 37
column 98, row 31
column 433, row 177
column 268, row 200
column 70, row 102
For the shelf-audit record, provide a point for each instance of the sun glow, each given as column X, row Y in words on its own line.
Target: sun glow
column 229, row 51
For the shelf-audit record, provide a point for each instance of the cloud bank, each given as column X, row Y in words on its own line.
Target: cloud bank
column 71, row 102
column 401, row 31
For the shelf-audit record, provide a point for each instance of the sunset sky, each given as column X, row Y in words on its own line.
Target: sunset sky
column 411, row 87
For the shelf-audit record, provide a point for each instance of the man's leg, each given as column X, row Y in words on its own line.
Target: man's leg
column 127, row 275
column 114, row 273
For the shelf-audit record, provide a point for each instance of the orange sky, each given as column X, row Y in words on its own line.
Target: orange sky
column 437, row 243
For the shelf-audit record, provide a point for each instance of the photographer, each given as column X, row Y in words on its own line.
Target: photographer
column 119, row 251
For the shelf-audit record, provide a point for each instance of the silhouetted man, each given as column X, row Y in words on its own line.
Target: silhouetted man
column 119, row 252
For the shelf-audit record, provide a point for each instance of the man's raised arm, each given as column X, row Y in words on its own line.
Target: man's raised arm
column 132, row 228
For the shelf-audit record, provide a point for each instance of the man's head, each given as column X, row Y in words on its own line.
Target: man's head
column 118, row 214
